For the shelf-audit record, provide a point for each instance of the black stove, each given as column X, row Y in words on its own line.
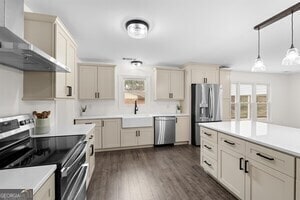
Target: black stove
column 18, row 149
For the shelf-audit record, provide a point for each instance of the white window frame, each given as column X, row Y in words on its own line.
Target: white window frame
column 122, row 90
column 253, row 103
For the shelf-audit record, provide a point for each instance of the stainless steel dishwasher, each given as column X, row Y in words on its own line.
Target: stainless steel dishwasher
column 164, row 130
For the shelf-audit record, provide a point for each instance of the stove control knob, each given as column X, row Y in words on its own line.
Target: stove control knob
column 22, row 123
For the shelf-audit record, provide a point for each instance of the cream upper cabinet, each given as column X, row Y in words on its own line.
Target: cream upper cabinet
column 225, row 82
column 96, row 81
column 47, row 190
column 111, row 133
column 182, row 129
column 50, row 35
column 169, row 84
column 205, row 75
column 263, row 182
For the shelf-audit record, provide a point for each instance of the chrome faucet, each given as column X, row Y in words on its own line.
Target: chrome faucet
column 135, row 107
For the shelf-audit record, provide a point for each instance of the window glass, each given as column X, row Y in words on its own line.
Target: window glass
column 245, row 101
column 262, row 101
column 233, row 100
column 134, row 90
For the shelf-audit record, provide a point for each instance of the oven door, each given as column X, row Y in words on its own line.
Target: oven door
column 76, row 190
column 72, row 167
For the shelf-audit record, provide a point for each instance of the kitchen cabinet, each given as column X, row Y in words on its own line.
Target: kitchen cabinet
column 208, row 75
column 263, row 182
column 90, row 154
column 231, row 173
column 169, row 84
column 50, row 35
column 47, row 190
column 111, row 133
column 225, row 83
column 96, row 81
column 248, row 170
column 137, row 137
column 298, row 180
column 182, row 129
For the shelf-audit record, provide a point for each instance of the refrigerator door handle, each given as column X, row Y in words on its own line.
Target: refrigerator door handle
column 210, row 106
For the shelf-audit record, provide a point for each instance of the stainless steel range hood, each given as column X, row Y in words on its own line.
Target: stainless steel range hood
column 14, row 50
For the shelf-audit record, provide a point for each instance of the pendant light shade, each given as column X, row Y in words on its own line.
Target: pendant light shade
column 259, row 64
column 292, row 56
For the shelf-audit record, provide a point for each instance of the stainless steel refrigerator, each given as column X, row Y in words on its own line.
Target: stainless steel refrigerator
column 205, row 107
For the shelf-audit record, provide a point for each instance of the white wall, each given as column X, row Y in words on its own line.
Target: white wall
column 112, row 107
column 293, row 103
column 279, row 93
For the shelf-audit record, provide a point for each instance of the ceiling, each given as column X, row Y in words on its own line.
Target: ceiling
column 181, row 31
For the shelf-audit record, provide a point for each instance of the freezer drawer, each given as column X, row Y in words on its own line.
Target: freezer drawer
column 164, row 131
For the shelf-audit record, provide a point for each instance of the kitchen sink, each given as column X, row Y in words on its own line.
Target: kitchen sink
column 133, row 121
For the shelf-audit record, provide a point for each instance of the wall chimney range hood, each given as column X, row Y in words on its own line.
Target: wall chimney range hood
column 16, row 52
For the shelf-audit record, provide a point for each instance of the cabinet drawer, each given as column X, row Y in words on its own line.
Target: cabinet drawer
column 209, row 148
column 298, row 190
column 274, row 159
column 93, row 121
column 209, row 134
column 232, row 143
column 209, row 165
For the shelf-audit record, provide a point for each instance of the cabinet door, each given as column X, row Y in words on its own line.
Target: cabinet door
column 177, row 84
column 106, row 82
column 263, row 183
column 87, row 82
column 111, row 133
column 212, row 76
column 47, row 190
column 162, row 84
column 298, row 190
column 230, row 174
column 182, row 129
column 61, row 45
column 98, row 137
column 129, row 137
column 71, row 62
column 146, row 136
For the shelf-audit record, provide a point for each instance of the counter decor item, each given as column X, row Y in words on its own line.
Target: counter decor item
column 42, row 122
column 178, row 109
column 83, row 110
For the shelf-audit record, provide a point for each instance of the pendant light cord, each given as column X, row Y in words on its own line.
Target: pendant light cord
column 292, row 24
column 258, row 45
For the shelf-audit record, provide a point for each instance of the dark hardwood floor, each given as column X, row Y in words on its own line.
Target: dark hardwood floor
column 153, row 173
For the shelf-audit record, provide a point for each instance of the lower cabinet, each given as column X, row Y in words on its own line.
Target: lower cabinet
column 111, row 133
column 137, row 136
column 90, row 154
column 263, row 182
column 182, row 129
column 47, row 190
column 231, row 173
column 251, row 171
column 98, row 137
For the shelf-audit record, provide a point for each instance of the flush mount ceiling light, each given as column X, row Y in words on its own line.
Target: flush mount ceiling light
column 292, row 56
column 136, row 63
column 259, row 64
column 137, row 29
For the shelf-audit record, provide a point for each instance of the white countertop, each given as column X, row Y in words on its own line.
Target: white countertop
column 281, row 138
column 78, row 129
column 26, row 178
column 124, row 115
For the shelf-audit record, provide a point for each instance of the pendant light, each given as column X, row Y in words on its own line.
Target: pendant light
column 259, row 64
column 292, row 56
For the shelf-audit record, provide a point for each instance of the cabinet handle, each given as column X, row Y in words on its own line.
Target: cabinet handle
column 88, row 123
column 176, row 120
column 241, row 163
column 92, row 147
column 265, row 157
column 139, row 133
column 136, row 133
column 231, row 143
column 69, row 91
column 208, row 134
column 207, row 147
column 91, row 137
column 246, row 166
column 96, row 95
column 102, row 123
column 205, row 80
column 207, row 163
